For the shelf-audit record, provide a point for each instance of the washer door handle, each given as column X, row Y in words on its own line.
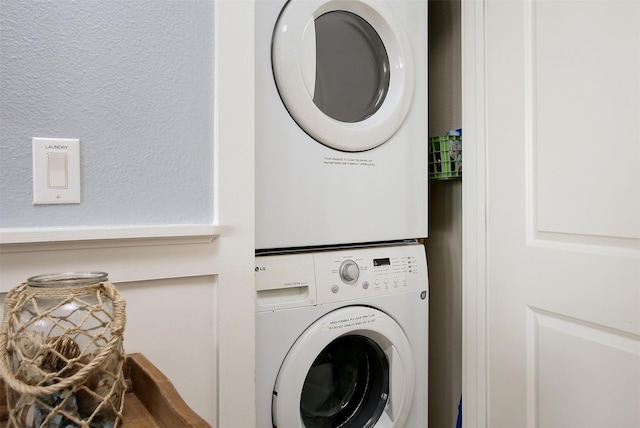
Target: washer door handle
column 397, row 386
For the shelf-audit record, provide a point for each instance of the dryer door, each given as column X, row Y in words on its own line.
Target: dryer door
column 352, row 368
column 344, row 71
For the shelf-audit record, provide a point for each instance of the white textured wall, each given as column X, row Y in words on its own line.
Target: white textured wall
column 133, row 80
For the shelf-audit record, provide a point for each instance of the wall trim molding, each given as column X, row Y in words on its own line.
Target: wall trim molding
column 13, row 239
column 128, row 254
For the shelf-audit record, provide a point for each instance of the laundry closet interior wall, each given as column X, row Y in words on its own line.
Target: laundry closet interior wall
column 444, row 245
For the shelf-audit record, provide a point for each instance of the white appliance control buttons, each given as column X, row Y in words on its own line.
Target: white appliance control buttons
column 349, row 272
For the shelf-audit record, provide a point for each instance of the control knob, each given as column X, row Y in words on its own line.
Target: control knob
column 349, row 271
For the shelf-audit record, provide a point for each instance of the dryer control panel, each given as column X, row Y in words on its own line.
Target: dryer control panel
column 305, row 279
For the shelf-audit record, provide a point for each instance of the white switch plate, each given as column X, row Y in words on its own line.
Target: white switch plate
column 56, row 171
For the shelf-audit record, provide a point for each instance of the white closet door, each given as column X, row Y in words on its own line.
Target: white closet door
column 553, row 290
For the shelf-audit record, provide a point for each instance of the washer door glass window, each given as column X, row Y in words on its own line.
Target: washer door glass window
column 347, row 385
column 353, row 367
column 344, row 70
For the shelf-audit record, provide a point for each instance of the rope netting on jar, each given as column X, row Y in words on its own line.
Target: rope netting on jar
column 62, row 356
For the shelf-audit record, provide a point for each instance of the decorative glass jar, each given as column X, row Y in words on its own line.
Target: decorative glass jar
column 61, row 352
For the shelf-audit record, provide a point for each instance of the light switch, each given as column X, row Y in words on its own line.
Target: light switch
column 56, row 171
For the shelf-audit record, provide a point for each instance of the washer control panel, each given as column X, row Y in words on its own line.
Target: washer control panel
column 314, row 278
column 366, row 272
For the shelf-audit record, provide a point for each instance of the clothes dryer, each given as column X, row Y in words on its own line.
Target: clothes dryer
column 342, row 338
column 341, row 122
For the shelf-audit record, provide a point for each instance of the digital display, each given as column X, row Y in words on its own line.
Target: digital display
column 381, row 262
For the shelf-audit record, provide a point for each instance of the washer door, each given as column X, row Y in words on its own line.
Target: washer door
column 352, row 368
column 344, row 70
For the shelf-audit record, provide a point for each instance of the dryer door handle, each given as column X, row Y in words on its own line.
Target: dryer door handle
column 308, row 56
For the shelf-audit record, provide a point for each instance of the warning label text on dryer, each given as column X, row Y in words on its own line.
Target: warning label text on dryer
column 329, row 160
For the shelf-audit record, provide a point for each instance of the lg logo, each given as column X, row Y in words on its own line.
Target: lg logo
column 260, row 268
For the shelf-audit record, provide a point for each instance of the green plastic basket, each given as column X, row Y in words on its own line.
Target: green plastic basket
column 445, row 157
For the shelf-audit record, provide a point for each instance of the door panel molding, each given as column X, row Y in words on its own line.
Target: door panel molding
column 593, row 358
column 611, row 295
column 548, row 225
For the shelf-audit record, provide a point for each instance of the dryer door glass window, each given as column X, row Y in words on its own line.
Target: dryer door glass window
column 347, row 385
column 352, row 67
column 344, row 70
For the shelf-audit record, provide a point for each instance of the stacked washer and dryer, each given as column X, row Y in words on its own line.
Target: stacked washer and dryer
column 341, row 201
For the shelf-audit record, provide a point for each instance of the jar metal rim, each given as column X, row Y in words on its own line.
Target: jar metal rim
column 67, row 279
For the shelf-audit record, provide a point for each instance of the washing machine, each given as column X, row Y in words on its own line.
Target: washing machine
column 342, row 338
column 341, row 122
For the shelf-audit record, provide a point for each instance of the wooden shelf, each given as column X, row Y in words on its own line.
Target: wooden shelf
column 151, row 400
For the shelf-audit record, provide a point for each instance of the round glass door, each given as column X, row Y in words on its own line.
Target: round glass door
column 353, row 367
column 346, row 386
column 344, row 71
column 352, row 67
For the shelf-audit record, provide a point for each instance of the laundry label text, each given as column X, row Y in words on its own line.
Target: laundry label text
column 352, row 322
column 347, row 161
